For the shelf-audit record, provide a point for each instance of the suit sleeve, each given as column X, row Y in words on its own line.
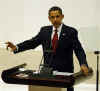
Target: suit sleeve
column 79, row 51
column 29, row 44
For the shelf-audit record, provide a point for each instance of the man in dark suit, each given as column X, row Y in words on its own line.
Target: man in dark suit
column 58, row 51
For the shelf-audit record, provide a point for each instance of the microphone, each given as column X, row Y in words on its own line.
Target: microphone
column 45, row 68
column 97, row 52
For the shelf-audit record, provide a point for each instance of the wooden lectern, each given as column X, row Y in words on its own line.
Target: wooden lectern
column 30, row 77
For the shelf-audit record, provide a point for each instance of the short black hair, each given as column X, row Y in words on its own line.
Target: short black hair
column 54, row 8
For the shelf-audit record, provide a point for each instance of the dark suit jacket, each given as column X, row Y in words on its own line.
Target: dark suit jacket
column 62, row 60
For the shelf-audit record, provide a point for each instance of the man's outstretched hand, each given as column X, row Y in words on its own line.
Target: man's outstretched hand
column 11, row 46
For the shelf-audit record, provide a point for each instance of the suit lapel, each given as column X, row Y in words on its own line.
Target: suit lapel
column 49, row 34
column 63, row 33
column 63, row 36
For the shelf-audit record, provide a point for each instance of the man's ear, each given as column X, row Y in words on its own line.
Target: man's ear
column 62, row 16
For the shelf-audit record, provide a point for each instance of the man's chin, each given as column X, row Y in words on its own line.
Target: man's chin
column 56, row 25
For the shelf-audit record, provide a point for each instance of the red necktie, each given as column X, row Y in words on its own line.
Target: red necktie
column 55, row 41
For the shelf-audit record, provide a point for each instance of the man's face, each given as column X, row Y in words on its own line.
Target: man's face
column 55, row 18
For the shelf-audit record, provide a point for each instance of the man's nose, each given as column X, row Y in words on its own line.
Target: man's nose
column 55, row 18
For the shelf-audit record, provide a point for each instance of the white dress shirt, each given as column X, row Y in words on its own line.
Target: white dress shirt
column 58, row 31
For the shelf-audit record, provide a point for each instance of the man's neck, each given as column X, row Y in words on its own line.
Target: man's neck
column 57, row 28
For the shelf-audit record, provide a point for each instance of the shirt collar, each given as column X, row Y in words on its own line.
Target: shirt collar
column 59, row 28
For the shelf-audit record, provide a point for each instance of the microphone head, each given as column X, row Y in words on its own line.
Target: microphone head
column 97, row 52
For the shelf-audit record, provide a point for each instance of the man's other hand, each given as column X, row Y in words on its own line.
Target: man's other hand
column 84, row 69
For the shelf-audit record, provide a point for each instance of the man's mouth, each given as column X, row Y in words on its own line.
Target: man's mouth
column 56, row 23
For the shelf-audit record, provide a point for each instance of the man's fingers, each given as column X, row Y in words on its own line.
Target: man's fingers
column 7, row 47
column 85, row 69
column 9, row 44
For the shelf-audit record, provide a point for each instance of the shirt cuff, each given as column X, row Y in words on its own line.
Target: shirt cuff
column 15, row 51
